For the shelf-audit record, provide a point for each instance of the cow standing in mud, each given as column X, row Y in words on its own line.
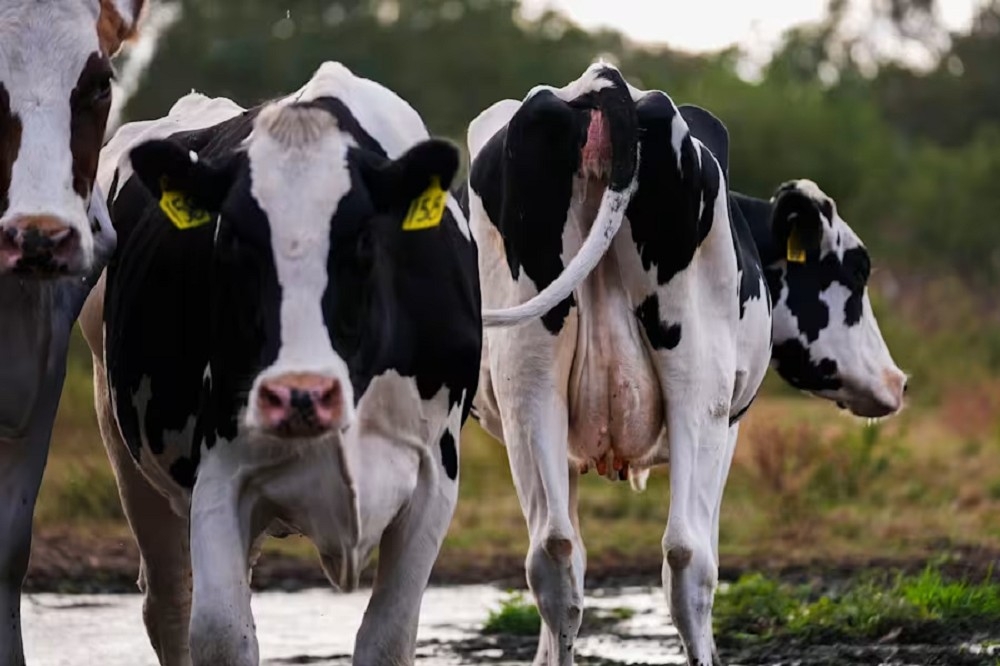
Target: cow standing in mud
column 652, row 342
column 55, row 237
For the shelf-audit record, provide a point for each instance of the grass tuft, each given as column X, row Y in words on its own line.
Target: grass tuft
column 925, row 605
column 516, row 617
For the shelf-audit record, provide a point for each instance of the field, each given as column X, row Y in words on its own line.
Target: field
column 811, row 488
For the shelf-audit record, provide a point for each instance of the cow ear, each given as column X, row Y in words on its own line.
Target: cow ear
column 164, row 166
column 396, row 184
column 117, row 23
column 797, row 224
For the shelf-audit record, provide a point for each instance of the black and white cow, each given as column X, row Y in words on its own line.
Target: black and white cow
column 650, row 344
column 291, row 345
column 55, row 237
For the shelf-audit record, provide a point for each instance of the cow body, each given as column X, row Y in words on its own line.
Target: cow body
column 300, row 363
column 55, row 237
column 652, row 356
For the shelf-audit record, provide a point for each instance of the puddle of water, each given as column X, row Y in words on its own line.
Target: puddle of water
column 317, row 627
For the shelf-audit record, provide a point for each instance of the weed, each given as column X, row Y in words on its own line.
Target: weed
column 925, row 605
column 515, row 617
column 622, row 613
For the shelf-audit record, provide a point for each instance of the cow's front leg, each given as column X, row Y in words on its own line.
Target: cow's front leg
column 21, row 466
column 222, row 627
column 535, row 425
column 24, row 445
column 407, row 552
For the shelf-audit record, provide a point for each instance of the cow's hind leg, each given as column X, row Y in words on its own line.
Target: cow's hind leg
column 535, row 427
column 699, row 451
column 162, row 537
column 407, row 552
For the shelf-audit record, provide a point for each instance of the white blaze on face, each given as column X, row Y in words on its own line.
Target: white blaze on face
column 299, row 174
column 44, row 47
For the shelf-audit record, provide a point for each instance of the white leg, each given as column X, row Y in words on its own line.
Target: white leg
column 407, row 552
column 698, row 397
column 222, row 626
column 727, row 461
column 536, row 427
column 162, row 537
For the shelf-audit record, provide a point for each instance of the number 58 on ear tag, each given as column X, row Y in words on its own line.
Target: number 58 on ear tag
column 181, row 210
column 426, row 210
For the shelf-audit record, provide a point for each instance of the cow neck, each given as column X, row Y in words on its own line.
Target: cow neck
column 25, row 337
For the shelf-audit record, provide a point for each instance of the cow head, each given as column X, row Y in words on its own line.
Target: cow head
column 302, row 288
column 55, row 94
column 826, row 339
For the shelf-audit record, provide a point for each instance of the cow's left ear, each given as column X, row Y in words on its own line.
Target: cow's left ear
column 164, row 165
column 796, row 223
column 117, row 22
column 395, row 184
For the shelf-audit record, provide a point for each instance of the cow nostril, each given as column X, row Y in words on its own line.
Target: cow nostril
column 269, row 397
column 63, row 239
column 331, row 396
column 906, row 387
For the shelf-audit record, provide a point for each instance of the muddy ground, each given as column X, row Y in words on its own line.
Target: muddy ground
column 66, row 562
column 72, row 561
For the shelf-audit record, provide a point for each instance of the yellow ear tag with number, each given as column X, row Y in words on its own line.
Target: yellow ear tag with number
column 181, row 210
column 795, row 252
column 426, row 210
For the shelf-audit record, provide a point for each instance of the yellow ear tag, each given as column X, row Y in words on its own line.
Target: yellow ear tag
column 426, row 210
column 181, row 210
column 795, row 253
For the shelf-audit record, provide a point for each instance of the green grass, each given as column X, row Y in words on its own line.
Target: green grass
column 516, row 617
column 924, row 606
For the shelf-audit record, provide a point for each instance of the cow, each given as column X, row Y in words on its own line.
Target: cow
column 287, row 341
column 55, row 237
column 651, row 342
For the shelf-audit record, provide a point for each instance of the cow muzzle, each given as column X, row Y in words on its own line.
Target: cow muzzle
column 884, row 399
column 301, row 405
column 41, row 245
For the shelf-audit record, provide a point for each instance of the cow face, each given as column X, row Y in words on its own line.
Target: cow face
column 302, row 290
column 55, row 94
column 826, row 339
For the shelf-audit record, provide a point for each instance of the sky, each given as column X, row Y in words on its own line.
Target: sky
column 710, row 25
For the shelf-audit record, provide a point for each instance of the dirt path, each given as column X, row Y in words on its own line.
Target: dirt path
column 64, row 560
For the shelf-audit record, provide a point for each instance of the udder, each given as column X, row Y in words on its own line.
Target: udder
column 615, row 402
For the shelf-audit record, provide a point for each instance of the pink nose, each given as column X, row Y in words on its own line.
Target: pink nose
column 38, row 244
column 300, row 405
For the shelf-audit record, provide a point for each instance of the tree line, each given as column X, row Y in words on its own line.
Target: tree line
column 912, row 157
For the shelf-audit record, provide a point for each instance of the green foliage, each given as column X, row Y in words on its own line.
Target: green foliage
column 756, row 607
column 515, row 617
column 86, row 492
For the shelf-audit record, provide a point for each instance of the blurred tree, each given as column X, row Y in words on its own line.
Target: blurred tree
column 911, row 158
column 960, row 96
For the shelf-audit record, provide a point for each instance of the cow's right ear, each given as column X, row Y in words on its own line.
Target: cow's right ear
column 164, row 165
column 796, row 224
